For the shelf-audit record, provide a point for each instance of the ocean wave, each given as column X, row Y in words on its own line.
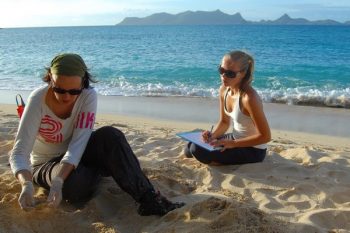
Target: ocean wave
column 325, row 96
column 155, row 89
column 313, row 97
column 294, row 96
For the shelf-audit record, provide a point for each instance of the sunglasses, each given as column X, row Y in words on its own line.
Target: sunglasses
column 227, row 73
column 64, row 91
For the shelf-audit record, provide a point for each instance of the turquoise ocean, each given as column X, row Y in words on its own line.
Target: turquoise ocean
column 301, row 65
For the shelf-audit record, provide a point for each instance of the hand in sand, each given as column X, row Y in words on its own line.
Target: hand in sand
column 26, row 198
column 55, row 195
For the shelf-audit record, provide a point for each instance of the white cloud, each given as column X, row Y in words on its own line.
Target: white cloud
column 25, row 12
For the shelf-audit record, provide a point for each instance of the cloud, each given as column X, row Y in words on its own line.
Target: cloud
column 63, row 7
column 24, row 12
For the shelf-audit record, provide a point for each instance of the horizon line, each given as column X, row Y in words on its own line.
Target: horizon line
column 251, row 21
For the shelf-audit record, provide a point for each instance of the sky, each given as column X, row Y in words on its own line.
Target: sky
column 39, row 13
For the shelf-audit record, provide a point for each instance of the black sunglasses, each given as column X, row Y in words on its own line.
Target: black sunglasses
column 64, row 91
column 227, row 73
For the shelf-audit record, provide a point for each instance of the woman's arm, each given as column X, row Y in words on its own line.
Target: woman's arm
column 82, row 129
column 252, row 104
column 25, row 138
column 64, row 170
column 224, row 121
column 26, row 135
column 55, row 195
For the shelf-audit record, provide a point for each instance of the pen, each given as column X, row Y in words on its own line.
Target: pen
column 211, row 131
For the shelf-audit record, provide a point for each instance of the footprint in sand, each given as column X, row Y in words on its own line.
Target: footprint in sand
column 343, row 162
column 238, row 182
column 341, row 197
column 167, row 179
column 217, row 215
column 329, row 220
column 304, row 197
column 339, row 177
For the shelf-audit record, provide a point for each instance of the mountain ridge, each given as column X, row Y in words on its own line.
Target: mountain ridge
column 218, row 17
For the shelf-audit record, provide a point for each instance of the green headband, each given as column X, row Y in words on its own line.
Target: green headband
column 68, row 64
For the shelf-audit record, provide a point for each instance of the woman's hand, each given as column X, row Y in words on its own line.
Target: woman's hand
column 55, row 195
column 26, row 198
column 223, row 144
column 207, row 136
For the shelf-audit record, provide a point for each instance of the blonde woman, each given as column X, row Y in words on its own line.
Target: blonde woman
column 241, row 105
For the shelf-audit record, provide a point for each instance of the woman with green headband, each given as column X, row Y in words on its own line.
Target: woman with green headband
column 57, row 149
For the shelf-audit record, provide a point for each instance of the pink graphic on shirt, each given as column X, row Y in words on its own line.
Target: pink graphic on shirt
column 85, row 120
column 50, row 130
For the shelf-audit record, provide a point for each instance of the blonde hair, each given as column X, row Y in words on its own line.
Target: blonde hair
column 246, row 63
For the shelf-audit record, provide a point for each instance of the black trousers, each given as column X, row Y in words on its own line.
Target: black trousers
column 239, row 155
column 107, row 154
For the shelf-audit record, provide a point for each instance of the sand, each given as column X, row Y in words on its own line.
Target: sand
column 302, row 186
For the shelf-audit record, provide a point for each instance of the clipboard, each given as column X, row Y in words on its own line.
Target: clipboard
column 196, row 138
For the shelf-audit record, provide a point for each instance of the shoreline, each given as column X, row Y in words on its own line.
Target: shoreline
column 294, row 118
column 288, row 136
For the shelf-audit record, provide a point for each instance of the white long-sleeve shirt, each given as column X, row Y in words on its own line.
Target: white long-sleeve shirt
column 42, row 135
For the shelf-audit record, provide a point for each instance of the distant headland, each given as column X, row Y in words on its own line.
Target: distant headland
column 218, row 18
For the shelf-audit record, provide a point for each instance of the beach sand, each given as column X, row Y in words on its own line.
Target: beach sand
column 302, row 186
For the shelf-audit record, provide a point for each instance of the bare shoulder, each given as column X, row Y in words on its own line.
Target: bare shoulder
column 250, row 97
column 222, row 90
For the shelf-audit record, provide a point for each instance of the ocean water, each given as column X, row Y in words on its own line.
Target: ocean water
column 308, row 65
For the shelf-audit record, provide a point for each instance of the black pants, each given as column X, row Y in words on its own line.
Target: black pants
column 239, row 155
column 107, row 154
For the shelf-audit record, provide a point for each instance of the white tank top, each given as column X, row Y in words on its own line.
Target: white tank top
column 243, row 125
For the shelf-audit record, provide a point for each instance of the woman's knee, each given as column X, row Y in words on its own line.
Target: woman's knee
column 109, row 134
column 109, row 130
column 200, row 154
column 81, row 184
column 187, row 150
